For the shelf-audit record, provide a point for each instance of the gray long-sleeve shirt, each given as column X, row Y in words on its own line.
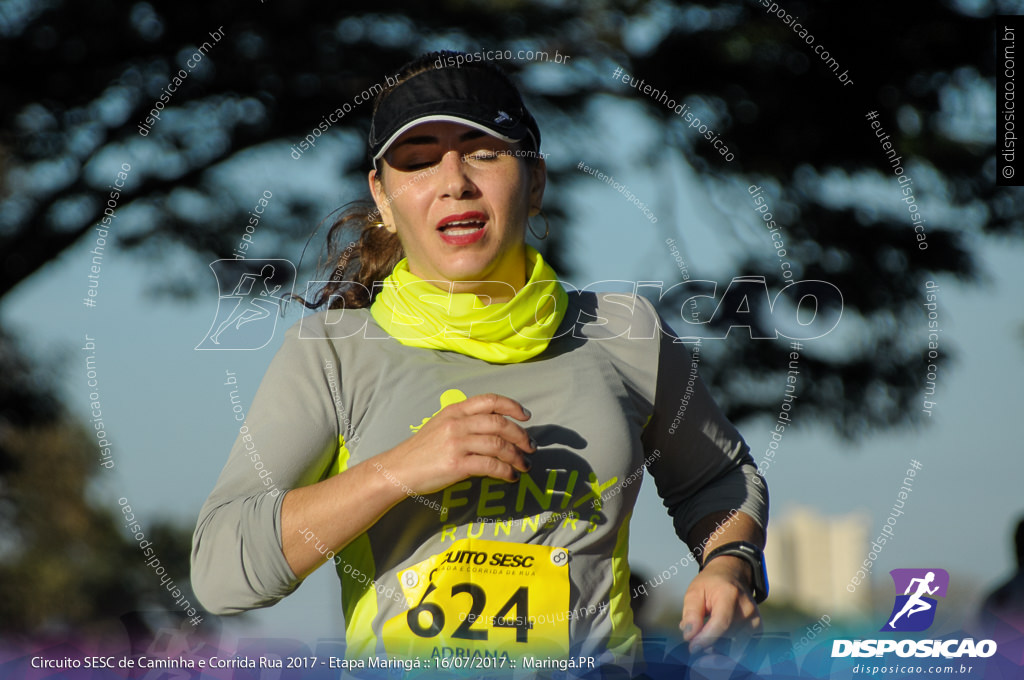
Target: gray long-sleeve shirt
column 483, row 566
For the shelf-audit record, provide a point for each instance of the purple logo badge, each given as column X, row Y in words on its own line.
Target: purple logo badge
column 914, row 610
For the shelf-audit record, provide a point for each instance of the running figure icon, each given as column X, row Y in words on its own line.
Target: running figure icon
column 249, row 308
column 915, row 604
column 251, row 295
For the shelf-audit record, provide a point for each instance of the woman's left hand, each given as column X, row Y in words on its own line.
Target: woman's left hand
column 722, row 594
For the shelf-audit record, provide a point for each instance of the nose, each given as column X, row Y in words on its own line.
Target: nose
column 455, row 181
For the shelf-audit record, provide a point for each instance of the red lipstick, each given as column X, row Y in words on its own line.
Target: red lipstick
column 462, row 229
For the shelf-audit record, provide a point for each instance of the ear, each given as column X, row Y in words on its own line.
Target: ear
column 538, row 180
column 380, row 197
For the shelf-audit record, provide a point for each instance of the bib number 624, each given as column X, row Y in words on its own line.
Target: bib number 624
column 519, row 602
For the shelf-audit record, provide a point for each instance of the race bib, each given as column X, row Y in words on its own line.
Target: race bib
column 484, row 598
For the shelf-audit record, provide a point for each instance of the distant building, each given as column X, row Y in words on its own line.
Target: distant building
column 810, row 559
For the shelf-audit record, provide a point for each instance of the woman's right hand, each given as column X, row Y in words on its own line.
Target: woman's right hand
column 470, row 438
column 467, row 439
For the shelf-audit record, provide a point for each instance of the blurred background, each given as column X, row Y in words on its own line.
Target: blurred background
column 80, row 80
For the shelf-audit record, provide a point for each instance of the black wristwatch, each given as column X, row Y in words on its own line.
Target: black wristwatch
column 752, row 554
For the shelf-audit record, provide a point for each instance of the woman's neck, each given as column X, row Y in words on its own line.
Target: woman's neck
column 499, row 287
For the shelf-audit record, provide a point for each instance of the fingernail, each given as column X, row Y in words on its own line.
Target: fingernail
column 686, row 629
column 527, row 412
column 533, row 443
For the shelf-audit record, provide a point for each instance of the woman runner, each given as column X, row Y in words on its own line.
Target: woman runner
column 460, row 435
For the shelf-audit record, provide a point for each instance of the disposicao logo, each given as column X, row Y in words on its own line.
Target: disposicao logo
column 913, row 611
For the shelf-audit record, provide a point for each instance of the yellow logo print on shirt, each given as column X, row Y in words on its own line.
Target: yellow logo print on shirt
column 447, row 398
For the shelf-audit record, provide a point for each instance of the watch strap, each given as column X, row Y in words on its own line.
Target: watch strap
column 753, row 555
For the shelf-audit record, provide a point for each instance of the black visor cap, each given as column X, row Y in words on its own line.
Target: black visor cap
column 470, row 95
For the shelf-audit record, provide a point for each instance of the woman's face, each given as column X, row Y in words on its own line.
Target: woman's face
column 458, row 199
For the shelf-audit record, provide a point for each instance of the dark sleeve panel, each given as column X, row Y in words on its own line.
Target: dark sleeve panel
column 698, row 459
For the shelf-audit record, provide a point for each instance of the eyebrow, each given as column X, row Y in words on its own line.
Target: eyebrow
column 430, row 139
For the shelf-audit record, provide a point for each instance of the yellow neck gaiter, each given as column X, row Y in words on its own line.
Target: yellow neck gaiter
column 418, row 313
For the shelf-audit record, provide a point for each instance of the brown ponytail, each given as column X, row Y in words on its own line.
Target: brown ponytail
column 359, row 264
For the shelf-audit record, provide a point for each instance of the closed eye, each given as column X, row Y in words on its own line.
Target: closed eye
column 482, row 155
